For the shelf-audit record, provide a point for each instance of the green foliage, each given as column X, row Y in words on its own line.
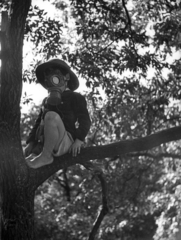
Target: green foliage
column 67, row 212
column 40, row 29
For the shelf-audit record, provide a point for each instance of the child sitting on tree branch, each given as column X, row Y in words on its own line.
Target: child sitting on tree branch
column 63, row 109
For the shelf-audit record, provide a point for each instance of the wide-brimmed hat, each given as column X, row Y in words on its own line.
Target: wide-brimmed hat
column 73, row 83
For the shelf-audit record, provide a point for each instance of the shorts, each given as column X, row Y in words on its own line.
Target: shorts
column 64, row 145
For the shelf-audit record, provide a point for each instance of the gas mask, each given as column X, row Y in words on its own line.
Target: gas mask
column 56, row 82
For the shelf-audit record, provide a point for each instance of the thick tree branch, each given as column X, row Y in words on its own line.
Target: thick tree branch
column 106, row 151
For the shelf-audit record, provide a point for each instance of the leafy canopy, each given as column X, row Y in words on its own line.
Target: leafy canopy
column 129, row 49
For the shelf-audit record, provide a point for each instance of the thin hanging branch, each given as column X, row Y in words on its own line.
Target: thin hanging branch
column 64, row 184
column 66, row 187
column 127, row 13
column 104, row 207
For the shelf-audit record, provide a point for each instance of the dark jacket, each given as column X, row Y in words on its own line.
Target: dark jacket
column 72, row 110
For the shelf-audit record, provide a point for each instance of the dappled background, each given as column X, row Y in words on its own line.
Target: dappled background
column 127, row 56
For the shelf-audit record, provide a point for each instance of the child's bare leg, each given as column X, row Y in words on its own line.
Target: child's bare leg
column 53, row 133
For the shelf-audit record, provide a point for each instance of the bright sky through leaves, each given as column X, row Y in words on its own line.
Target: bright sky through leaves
column 36, row 91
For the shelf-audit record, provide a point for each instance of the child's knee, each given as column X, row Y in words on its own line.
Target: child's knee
column 52, row 117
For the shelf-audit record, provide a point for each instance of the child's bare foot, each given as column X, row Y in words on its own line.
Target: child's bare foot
column 40, row 160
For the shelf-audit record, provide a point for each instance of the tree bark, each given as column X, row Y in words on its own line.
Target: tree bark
column 16, row 192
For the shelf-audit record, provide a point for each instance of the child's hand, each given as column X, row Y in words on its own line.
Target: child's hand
column 75, row 148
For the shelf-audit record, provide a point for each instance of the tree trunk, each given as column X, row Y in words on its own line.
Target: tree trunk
column 17, row 194
column 17, row 213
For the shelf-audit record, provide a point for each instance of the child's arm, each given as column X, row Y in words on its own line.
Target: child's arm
column 84, row 123
column 83, row 118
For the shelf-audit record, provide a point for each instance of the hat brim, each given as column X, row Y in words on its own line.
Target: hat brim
column 73, row 83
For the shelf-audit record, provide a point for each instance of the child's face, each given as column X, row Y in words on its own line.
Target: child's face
column 56, row 83
column 56, row 77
